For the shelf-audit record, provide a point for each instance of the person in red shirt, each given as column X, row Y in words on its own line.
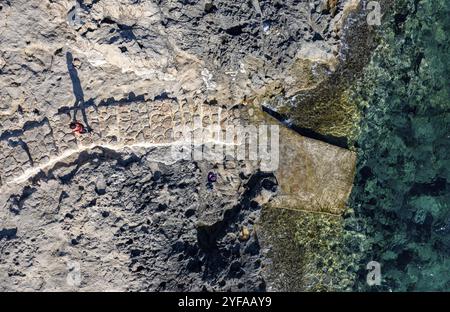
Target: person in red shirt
column 77, row 127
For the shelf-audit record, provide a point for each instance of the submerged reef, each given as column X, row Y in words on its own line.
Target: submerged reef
column 314, row 251
column 400, row 197
column 398, row 213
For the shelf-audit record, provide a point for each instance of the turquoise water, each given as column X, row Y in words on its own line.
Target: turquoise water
column 401, row 194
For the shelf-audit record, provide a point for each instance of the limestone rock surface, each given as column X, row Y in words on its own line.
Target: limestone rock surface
column 113, row 209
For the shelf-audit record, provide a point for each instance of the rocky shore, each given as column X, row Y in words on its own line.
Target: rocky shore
column 112, row 209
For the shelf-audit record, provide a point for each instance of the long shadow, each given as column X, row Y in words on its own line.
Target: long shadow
column 333, row 140
column 77, row 91
column 110, row 102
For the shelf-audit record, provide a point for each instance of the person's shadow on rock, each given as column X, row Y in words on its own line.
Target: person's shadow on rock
column 77, row 91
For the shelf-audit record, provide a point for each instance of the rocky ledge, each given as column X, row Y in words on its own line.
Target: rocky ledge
column 112, row 209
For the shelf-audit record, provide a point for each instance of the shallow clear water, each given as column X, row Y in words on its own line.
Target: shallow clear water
column 401, row 193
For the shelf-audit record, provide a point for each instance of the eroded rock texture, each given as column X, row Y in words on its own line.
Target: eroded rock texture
column 131, row 222
column 111, row 210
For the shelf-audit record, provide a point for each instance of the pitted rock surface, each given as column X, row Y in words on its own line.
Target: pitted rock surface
column 110, row 209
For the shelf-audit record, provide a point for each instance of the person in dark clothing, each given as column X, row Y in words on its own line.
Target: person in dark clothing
column 212, row 178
